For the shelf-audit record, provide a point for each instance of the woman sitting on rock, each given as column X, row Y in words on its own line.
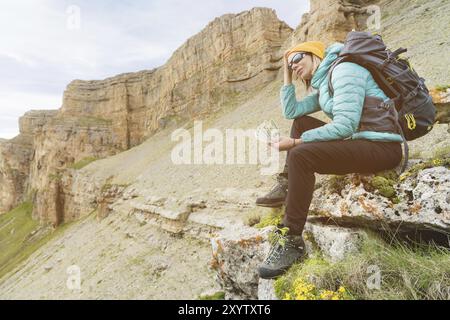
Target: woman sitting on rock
column 338, row 147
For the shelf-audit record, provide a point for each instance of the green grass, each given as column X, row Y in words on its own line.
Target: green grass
column 108, row 186
column 83, row 163
column 443, row 87
column 215, row 296
column 442, row 152
column 93, row 121
column 55, row 176
column 274, row 218
column 17, row 241
column 15, row 227
column 407, row 272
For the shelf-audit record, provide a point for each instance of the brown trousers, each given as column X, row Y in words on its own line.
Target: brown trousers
column 328, row 157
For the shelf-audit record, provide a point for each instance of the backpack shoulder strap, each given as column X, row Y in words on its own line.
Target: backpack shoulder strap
column 330, row 74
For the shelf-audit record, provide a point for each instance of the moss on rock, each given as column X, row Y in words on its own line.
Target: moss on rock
column 414, row 170
column 384, row 186
column 337, row 183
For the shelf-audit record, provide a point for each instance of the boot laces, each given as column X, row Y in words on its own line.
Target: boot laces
column 280, row 243
column 275, row 253
column 277, row 186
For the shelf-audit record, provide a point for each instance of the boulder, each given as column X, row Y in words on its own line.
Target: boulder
column 422, row 204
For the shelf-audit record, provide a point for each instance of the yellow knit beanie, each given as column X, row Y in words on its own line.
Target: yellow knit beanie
column 315, row 47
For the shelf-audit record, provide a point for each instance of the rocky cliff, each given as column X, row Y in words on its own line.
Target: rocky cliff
column 232, row 54
column 16, row 156
column 330, row 21
column 105, row 156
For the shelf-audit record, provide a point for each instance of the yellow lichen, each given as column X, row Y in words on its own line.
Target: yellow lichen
column 437, row 162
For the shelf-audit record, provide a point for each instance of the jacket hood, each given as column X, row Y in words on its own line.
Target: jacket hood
column 331, row 54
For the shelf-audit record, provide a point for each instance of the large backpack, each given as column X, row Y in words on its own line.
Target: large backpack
column 414, row 107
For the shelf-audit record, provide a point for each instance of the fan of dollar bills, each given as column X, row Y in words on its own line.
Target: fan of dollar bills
column 267, row 131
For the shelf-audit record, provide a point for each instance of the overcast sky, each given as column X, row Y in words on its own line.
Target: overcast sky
column 44, row 44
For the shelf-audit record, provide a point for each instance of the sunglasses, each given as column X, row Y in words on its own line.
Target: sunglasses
column 297, row 58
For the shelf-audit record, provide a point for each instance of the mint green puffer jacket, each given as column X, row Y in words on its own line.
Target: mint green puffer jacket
column 351, row 83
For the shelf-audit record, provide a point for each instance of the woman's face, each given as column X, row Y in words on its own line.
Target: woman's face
column 304, row 68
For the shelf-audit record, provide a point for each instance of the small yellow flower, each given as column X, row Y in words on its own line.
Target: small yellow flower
column 341, row 289
column 326, row 294
column 304, row 290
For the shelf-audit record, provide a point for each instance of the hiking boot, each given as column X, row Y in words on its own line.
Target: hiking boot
column 285, row 251
column 276, row 196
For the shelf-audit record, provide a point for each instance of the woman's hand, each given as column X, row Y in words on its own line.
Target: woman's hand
column 287, row 70
column 285, row 144
column 285, row 58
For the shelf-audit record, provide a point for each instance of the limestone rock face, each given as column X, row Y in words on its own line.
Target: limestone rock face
column 232, row 54
column 330, row 20
column 441, row 99
column 266, row 290
column 60, row 143
column 335, row 243
column 15, row 157
column 424, row 204
column 236, row 257
column 436, row 143
column 235, row 53
column 32, row 121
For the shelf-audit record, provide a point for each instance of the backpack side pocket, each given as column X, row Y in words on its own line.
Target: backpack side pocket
column 378, row 116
